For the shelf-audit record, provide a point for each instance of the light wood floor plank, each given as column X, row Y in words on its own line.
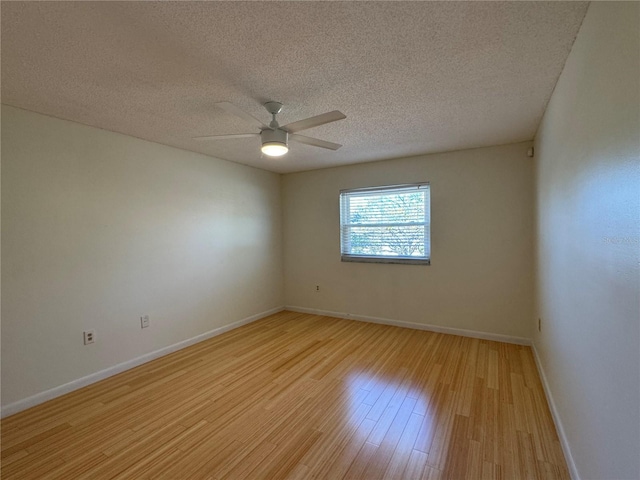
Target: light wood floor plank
column 295, row 396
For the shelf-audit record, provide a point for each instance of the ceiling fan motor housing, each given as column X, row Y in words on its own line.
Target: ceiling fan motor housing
column 274, row 136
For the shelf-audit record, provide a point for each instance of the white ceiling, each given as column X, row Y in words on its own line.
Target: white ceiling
column 411, row 77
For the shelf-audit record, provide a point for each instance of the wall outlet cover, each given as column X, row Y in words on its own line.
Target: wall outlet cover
column 89, row 336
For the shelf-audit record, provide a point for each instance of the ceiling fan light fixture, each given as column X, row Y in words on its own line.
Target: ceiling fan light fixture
column 274, row 142
column 274, row 149
column 274, row 139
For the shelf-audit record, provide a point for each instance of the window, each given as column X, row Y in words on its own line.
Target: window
column 385, row 224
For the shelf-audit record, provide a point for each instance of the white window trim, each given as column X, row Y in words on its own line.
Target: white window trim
column 426, row 260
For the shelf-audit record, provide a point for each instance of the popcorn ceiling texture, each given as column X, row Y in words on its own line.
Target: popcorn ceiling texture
column 412, row 77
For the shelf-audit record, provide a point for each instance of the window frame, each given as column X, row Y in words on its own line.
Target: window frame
column 389, row 259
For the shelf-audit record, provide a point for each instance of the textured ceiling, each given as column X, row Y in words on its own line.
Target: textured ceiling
column 411, row 77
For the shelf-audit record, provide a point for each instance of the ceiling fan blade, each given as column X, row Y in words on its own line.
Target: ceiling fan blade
column 314, row 121
column 225, row 137
column 314, row 141
column 233, row 110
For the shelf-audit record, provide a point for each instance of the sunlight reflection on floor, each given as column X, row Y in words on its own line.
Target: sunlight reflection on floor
column 387, row 409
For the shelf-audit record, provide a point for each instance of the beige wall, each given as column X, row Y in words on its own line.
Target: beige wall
column 100, row 228
column 480, row 277
column 588, row 235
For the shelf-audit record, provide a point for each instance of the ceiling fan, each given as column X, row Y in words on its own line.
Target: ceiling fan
column 275, row 138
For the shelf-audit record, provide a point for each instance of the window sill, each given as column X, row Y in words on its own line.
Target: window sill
column 397, row 260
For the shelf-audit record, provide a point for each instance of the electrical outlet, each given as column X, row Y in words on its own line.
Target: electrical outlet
column 89, row 336
column 539, row 325
column 317, row 288
column 144, row 321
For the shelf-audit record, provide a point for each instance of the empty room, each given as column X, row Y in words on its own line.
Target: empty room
column 320, row 240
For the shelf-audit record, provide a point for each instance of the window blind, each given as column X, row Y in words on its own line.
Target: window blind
column 386, row 224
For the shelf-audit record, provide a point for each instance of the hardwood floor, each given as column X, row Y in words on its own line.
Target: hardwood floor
column 300, row 396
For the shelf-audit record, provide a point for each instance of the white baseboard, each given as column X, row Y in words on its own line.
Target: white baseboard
column 417, row 326
column 573, row 471
column 52, row 393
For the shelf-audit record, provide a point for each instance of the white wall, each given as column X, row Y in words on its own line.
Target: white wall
column 588, row 234
column 100, row 228
column 480, row 277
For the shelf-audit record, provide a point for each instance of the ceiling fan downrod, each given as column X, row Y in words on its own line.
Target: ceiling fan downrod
column 273, row 108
